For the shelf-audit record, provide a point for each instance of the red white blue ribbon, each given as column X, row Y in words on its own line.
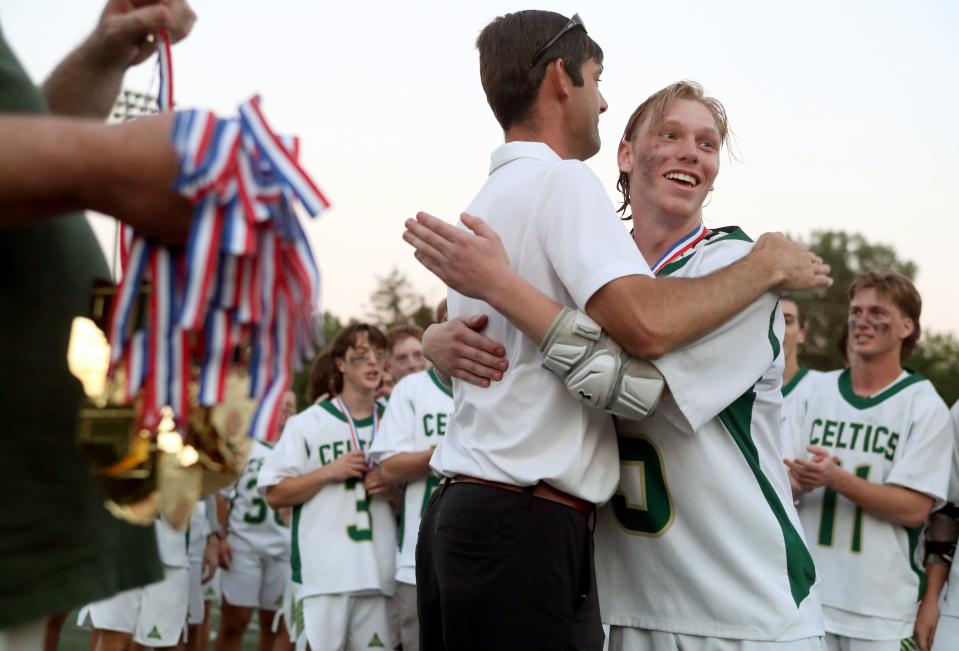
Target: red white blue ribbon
column 341, row 404
column 165, row 95
column 685, row 243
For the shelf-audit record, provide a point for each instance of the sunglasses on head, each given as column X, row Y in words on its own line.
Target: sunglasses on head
column 570, row 25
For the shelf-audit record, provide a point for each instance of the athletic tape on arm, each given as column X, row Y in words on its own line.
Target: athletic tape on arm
column 941, row 535
column 596, row 370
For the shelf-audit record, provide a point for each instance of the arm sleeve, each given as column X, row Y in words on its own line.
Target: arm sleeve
column 585, row 242
column 925, row 460
column 397, row 431
column 708, row 375
column 287, row 459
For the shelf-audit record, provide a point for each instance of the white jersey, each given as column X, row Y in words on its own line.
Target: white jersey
column 172, row 544
column 701, row 537
column 951, row 605
column 342, row 540
column 252, row 525
column 871, row 568
column 416, row 419
column 795, row 395
column 562, row 236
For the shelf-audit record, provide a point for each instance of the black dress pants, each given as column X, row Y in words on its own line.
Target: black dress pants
column 503, row 571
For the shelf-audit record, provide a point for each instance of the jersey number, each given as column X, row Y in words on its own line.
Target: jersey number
column 354, row 531
column 257, row 515
column 641, row 503
column 827, row 521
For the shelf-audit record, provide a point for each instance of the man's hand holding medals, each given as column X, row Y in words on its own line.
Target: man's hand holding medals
column 189, row 356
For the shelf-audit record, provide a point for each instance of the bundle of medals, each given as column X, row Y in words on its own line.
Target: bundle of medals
column 188, row 357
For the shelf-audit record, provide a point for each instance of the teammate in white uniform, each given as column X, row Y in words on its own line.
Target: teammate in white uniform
column 343, row 532
column 202, row 550
column 416, row 419
column 879, row 443
column 154, row 615
column 796, row 379
column 255, row 552
column 939, row 628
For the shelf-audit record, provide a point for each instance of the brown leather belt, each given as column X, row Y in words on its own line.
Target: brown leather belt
column 541, row 490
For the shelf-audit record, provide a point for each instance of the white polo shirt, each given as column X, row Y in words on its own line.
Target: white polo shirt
column 563, row 236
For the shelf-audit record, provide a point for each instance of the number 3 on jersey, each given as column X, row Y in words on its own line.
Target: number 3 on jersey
column 641, row 503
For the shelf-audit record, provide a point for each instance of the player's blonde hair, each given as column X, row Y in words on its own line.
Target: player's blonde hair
column 655, row 108
column 904, row 295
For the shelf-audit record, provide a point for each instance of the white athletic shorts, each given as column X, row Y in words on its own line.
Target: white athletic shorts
column 291, row 616
column 200, row 592
column 947, row 634
column 213, row 589
column 843, row 643
column 155, row 615
column 343, row 622
column 623, row 638
column 255, row 581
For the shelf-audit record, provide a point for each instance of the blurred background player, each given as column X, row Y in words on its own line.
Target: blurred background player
column 796, row 378
column 935, row 630
column 873, row 452
column 404, row 351
column 203, row 553
column 321, row 377
column 153, row 616
column 254, row 553
column 343, row 530
column 413, row 425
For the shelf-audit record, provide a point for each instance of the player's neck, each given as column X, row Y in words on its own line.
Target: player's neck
column 360, row 400
column 655, row 233
column 873, row 374
column 791, row 368
column 550, row 133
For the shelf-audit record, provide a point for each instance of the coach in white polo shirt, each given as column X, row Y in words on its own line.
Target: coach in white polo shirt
column 504, row 556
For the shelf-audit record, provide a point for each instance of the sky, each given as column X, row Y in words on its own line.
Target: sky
column 844, row 113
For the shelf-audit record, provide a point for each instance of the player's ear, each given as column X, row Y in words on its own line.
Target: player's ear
column 908, row 327
column 624, row 156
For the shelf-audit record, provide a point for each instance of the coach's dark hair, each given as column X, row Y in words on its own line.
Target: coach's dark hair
column 347, row 339
column 506, row 48
column 904, row 295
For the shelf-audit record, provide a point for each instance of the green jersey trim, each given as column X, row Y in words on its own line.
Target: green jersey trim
column 773, row 339
column 295, row 564
column 800, row 569
column 716, row 235
column 796, row 379
column 913, row 534
column 439, row 383
column 859, row 402
column 363, row 422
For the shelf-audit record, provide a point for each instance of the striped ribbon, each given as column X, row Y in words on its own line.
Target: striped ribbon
column 352, row 425
column 685, row 243
column 246, row 278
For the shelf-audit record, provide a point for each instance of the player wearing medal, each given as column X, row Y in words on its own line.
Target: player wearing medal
column 343, row 531
column 413, row 425
column 255, row 552
column 155, row 615
column 934, row 629
column 877, row 443
column 796, row 379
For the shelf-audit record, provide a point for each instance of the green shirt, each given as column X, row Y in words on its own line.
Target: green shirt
column 59, row 548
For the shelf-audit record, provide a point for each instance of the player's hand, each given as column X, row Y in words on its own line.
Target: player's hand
column 122, row 37
column 813, row 473
column 794, row 265
column 224, row 554
column 457, row 348
column 211, row 559
column 926, row 620
column 374, row 483
column 351, row 465
column 470, row 264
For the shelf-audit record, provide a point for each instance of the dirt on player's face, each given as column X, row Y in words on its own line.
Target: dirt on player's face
column 672, row 164
column 362, row 365
column 877, row 327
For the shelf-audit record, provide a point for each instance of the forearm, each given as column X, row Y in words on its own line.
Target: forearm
column 82, row 86
column 222, row 513
column 406, row 466
column 296, row 490
column 936, row 577
column 527, row 308
column 893, row 503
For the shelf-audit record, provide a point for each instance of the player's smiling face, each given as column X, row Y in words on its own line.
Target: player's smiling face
column 362, row 365
column 672, row 164
column 877, row 327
